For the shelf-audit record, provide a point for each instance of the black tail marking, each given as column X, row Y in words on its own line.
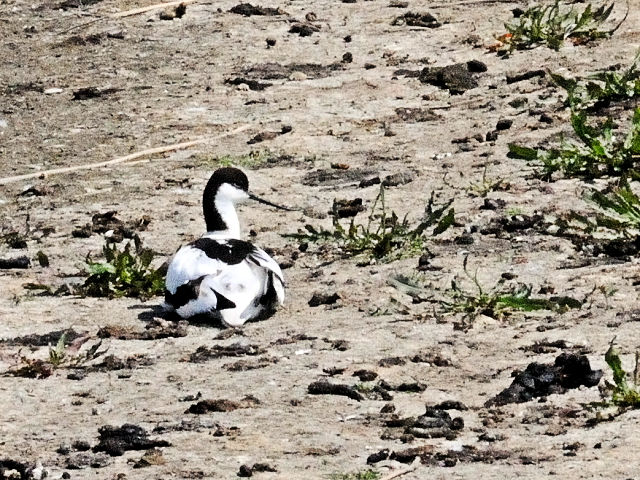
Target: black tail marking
column 222, row 302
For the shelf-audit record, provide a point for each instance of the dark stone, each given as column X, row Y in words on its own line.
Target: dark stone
column 347, row 57
column 504, row 124
column 323, row 299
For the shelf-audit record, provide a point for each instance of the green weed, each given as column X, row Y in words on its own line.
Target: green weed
column 60, row 356
column 551, row 25
column 363, row 475
column 596, row 152
column 499, row 300
column 603, row 88
column 384, row 236
column 126, row 273
column 617, row 215
column 625, row 390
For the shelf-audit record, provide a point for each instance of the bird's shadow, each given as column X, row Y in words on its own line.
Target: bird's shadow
column 151, row 313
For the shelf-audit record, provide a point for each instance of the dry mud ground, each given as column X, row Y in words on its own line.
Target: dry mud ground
column 163, row 81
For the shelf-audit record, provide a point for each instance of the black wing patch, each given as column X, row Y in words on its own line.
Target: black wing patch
column 230, row 251
column 190, row 291
column 270, row 297
column 184, row 293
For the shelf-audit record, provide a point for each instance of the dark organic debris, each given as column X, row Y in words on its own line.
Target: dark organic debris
column 153, row 331
column 399, row 178
column 50, row 338
column 325, row 388
column 413, row 19
column 538, row 380
column 222, row 405
column 456, row 78
column 248, row 471
column 323, row 299
column 277, row 71
column 244, row 365
column 67, row 4
column 434, row 423
column 347, row 208
column 111, row 362
column 336, row 176
column 369, row 182
column 16, row 262
column 546, row 346
column 92, row 92
column 77, row 461
column 174, row 12
column 15, row 240
column 247, row 10
column 8, row 466
column 365, row 375
column 513, row 223
column 299, row 337
column 150, row 457
column 418, row 115
column 116, row 440
column 252, row 84
column 197, row 424
column 263, row 136
column 518, row 77
column 304, row 29
column 449, row 458
column 202, row 354
column 391, row 361
column 105, row 222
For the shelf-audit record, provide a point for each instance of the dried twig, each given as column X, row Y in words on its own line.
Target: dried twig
column 132, row 156
column 399, row 473
column 148, row 8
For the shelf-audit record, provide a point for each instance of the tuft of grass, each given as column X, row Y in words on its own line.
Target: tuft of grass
column 499, row 300
column 124, row 273
column 384, row 236
column 602, row 88
column 487, row 185
column 551, row 25
column 253, row 159
column 362, row 475
column 596, row 152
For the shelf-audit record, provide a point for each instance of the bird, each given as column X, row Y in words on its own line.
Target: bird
column 219, row 274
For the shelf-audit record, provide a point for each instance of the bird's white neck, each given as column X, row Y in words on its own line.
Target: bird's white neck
column 227, row 211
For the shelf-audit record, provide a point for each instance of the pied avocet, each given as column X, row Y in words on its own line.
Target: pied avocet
column 219, row 274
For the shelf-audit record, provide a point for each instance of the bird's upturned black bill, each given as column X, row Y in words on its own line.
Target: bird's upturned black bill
column 266, row 202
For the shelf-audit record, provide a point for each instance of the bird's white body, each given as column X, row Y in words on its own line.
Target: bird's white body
column 246, row 283
column 219, row 274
